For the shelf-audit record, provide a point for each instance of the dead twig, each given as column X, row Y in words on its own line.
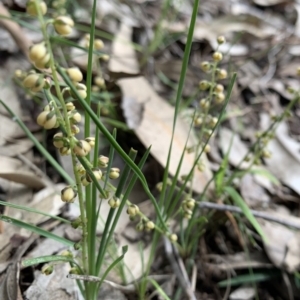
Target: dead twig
column 179, row 269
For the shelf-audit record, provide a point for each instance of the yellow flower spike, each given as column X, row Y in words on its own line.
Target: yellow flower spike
column 63, row 25
column 32, row 10
column 68, row 194
column 82, row 148
column 74, row 74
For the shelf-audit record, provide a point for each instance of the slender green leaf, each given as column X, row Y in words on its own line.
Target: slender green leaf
column 36, row 229
column 250, row 278
column 159, row 289
column 246, row 210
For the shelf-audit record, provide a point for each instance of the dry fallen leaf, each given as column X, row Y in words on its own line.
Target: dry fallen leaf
column 283, row 245
column 10, row 170
column 222, row 25
column 54, row 286
column 155, row 127
column 285, row 160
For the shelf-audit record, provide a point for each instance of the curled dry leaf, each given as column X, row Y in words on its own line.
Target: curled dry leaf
column 283, row 245
column 10, row 170
column 155, row 127
column 227, row 24
column 285, row 160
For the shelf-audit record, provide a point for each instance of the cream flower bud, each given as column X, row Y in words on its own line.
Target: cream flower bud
column 219, row 88
column 105, row 57
column 75, row 117
column 47, row 269
column 173, row 237
column 98, row 44
column 149, row 225
column 221, row 74
column 221, row 40
column 219, row 97
column 114, row 173
column 97, row 173
column 207, row 148
column 114, row 202
column 81, row 90
column 75, row 129
column 190, row 203
column 204, row 104
column 43, row 63
column 74, row 74
column 70, row 106
column 204, row 85
column 99, row 81
column 84, row 181
column 132, row 210
column 68, row 194
column 217, row 56
column 34, row 82
column 63, row 25
column 205, row 66
column 91, row 141
column 65, row 151
column 37, row 51
column 47, row 119
column 31, row 8
column 80, row 169
column 59, row 140
column 103, row 161
column 82, row 148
